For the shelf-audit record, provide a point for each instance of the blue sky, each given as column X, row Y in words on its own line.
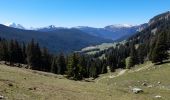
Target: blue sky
column 68, row 13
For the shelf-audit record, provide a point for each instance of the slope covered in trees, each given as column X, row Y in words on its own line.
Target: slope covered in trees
column 76, row 66
column 151, row 44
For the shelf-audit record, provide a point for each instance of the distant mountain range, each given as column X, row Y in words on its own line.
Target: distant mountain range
column 14, row 25
column 59, row 40
column 113, row 32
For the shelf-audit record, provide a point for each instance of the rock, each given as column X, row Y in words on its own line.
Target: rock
column 144, row 84
column 159, row 82
column 157, row 96
column 137, row 90
column 150, row 86
column 2, row 97
column 32, row 88
column 10, row 84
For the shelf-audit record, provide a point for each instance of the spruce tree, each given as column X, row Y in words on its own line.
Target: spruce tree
column 4, row 52
column 34, row 55
column 54, row 67
column 24, row 53
column 93, row 69
column 141, row 53
column 72, row 67
column 160, row 50
column 12, row 52
column 133, row 57
column 82, row 67
column 61, row 64
column 45, row 60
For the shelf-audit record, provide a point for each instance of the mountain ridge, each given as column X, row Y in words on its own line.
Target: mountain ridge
column 61, row 40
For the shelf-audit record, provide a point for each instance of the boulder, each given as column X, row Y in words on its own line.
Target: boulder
column 2, row 97
column 10, row 84
column 144, row 84
column 137, row 90
column 157, row 96
column 159, row 82
column 150, row 86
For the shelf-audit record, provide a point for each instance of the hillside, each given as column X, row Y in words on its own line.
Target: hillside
column 65, row 40
column 20, row 83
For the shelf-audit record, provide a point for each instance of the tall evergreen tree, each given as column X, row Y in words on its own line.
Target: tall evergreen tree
column 133, row 57
column 72, row 67
column 24, row 53
column 160, row 51
column 46, row 60
column 61, row 64
column 34, row 55
column 4, row 53
column 141, row 53
column 82, row 67
column 54, row 67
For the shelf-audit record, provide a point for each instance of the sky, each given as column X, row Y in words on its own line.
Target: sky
column 70, row 13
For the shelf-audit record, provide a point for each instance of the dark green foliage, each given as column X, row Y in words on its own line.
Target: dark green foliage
column 61, row 64
column 141, row 53
column 72, row 67
column 54, row 67
column 34, row 55
column 4, row 54
column 24, row 53
column 160, row 50
column 15, row 52
column 133, row 57
column 155, row 39
column 115, row 57
column 46, row 60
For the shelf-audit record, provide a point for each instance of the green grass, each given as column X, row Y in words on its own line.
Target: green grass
column 34, row 85
column 100, row 47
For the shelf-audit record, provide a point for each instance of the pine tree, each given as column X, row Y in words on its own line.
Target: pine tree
column 61, row 64
column 160, row 50
column 54, row 67
column 72, row 67
column 82, row 67
column 24, row 53
column 34, row 55
column 133, row 57
column 93, row 69
column 4, row 53
column 19, row 53
column 141, row 53
column 45, row 60
column 104, row 66
column 12, row 52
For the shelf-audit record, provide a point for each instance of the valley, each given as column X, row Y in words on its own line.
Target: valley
column 35, row 85
column 84, row 50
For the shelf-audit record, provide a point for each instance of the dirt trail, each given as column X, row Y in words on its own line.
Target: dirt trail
column 113, row 76
column 142, row 68
column 123, row 72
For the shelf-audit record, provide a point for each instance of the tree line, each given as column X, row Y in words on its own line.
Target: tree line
column 76, row 65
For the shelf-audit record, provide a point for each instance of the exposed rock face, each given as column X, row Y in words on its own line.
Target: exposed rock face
column 164, row 16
